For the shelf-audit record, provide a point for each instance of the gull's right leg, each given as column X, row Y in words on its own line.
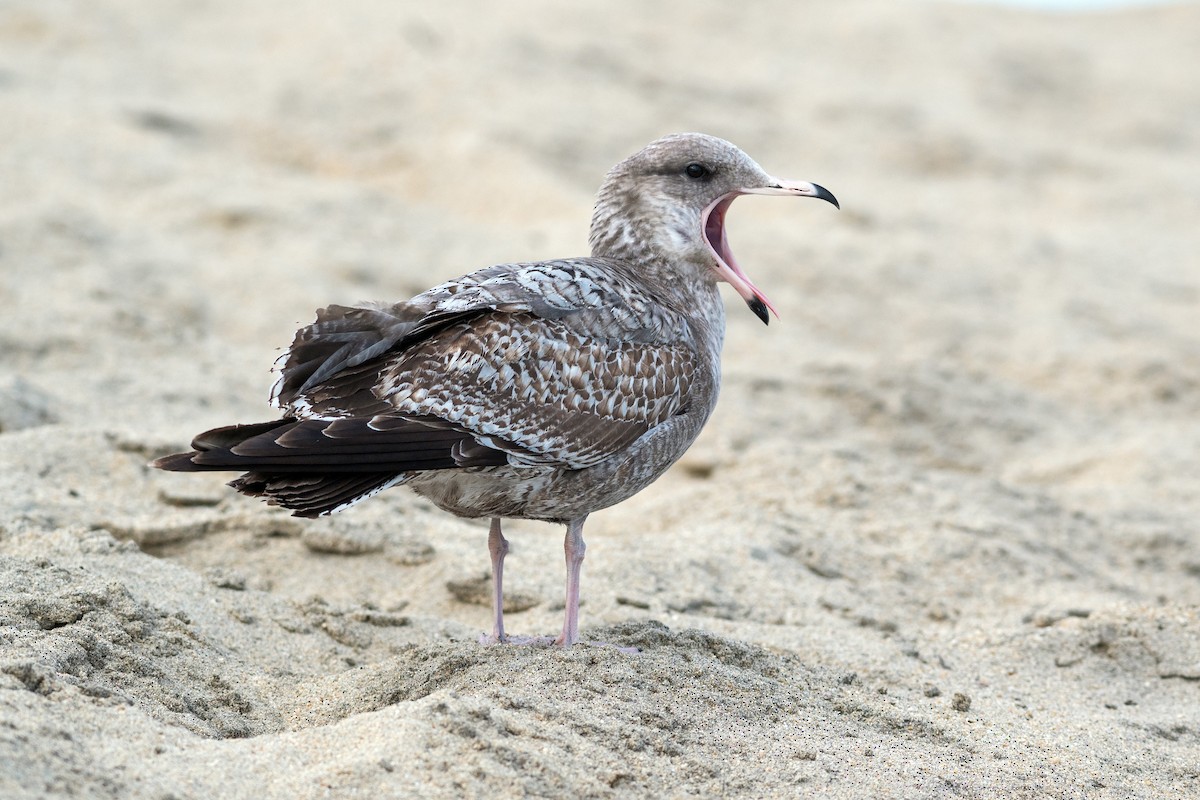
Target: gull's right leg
column 498, row 547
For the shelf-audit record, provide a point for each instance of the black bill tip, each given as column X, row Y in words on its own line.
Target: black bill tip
column 827, row 196
column 760, row 310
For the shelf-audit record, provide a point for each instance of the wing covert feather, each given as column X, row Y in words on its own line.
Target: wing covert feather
column 560, row 362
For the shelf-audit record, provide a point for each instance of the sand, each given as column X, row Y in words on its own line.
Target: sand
column 940, row 539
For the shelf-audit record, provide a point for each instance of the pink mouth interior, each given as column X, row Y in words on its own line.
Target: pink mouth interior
column 727, row 266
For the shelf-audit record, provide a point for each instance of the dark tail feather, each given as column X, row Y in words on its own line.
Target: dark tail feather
column 358, row 445
column 313, row 495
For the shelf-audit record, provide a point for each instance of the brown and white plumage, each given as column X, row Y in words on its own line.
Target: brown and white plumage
column 542, row 390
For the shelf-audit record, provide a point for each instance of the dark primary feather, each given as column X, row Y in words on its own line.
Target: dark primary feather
column 355, row 445
column 314, row 467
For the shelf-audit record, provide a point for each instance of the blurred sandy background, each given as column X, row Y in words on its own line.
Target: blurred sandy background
column 939, row 539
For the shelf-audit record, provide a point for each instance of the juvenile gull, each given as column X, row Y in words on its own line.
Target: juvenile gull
column 543, row 390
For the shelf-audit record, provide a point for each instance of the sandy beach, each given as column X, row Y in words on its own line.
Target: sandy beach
column 941, row 537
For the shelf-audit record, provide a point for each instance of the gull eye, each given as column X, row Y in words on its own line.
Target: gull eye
column 697, row 170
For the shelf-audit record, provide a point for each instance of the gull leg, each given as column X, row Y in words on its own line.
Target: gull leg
column 498, row 547
column 574, row 548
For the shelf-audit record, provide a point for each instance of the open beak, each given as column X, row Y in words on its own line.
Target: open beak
column 713, row 223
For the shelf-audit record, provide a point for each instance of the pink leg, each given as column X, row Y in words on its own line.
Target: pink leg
column 498, row 547
column 574, row 547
